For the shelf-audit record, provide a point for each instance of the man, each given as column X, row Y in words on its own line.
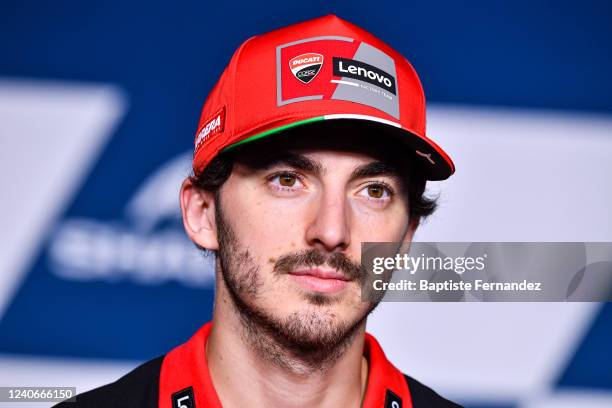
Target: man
column 312, row 142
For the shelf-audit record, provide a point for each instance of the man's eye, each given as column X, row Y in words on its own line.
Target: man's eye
column 376, row 191
column 287, row 180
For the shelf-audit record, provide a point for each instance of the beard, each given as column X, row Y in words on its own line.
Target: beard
column 302, row 341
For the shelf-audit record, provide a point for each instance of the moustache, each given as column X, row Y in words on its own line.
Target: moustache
column 311, row 257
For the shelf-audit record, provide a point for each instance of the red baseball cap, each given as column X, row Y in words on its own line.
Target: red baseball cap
column 325, row 69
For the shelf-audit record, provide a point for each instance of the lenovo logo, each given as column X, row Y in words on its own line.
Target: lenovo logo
column 344, row 67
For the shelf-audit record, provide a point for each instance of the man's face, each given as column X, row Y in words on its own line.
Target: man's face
column 290, row 226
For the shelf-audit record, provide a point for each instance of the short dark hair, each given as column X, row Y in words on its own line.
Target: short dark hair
column 220, row 168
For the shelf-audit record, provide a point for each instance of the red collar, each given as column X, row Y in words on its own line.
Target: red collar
column 185, row 379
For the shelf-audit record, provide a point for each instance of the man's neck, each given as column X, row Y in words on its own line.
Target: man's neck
column 242, row 376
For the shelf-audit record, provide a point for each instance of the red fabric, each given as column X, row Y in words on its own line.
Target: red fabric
column 382, row 376
column 186, row 366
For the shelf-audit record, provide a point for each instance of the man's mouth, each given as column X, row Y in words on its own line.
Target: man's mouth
column 321, row 280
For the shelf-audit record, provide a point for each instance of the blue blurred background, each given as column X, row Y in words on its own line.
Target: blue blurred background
column 99, row 103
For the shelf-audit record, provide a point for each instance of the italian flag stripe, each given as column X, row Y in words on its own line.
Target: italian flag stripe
column 311, row 120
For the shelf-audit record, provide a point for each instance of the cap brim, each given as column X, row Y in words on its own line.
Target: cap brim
column 432, row 160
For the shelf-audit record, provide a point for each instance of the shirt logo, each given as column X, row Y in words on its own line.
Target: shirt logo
column 306, row 66
column 183, row 398
column 392, row 400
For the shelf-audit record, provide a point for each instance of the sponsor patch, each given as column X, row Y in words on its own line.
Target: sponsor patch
column 306, row 66
column 355, row 71
column 212, row 127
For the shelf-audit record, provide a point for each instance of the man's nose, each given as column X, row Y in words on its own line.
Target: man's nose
column 328, row 229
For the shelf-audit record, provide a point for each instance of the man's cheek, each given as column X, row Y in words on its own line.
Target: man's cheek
column 380, row 229
column 281, row 233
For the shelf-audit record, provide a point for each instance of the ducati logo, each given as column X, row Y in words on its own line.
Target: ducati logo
column 306, row 66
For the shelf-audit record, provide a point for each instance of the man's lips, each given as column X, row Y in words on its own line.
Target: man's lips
column 321, row 280
column 321, row 274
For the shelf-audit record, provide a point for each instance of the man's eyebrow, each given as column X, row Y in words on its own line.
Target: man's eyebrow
column 376, row 168
column 301, row 162
column 297, row 161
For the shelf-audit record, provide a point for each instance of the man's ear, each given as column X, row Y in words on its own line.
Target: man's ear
column 198, row 209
